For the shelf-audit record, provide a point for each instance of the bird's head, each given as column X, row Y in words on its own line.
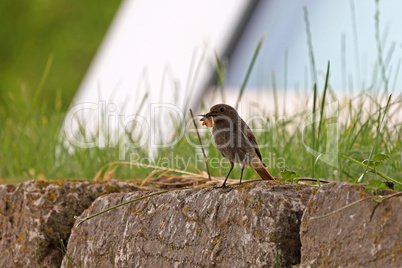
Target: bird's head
column 221, row 111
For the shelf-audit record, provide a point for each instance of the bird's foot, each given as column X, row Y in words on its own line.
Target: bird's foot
column 223, row 186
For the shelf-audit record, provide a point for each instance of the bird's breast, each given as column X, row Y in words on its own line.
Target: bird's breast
column 232, row 144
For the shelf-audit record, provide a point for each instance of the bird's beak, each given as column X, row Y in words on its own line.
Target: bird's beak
column 211, row 114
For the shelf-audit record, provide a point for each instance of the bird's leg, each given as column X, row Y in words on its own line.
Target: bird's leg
column 227, row 176
column 241, row 174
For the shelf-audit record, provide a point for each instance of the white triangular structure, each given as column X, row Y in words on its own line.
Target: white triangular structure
column 164, row 50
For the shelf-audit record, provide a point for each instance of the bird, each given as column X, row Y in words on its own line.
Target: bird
column 235, row 140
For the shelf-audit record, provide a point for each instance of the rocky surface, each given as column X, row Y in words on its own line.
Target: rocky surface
column 35, row 216
column 252, row 225
column 257, row 224
column 363, row 235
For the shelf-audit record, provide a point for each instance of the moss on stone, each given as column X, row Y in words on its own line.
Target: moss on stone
column 51, row 196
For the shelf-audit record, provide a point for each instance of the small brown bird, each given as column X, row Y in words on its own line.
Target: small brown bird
column 235, row 140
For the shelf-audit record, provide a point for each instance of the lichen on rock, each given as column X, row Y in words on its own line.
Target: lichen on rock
column 242, row 226
column 367, row 234
column 37, row 216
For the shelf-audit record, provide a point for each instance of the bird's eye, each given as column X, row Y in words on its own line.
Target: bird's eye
column 222, row 109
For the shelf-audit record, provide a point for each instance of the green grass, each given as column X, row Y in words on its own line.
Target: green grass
column 32, row 146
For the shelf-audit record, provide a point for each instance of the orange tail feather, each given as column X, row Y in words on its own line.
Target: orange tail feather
column 264, row 174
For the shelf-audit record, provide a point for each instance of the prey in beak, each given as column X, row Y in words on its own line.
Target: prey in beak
column 207, row 120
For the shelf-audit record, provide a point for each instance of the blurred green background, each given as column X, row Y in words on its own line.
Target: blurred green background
column 61, row 37
column 31, row 31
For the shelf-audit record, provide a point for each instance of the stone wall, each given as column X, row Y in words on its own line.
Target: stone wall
column 254, row 224
column 37, row 216
column 366, row 234
column 257, row 224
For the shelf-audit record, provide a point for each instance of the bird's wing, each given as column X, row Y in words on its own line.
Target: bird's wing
column 250, row 136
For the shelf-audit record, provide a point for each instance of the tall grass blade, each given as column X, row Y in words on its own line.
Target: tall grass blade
column 80, row 221
column 322, row 105
column 250, row 68
column 64, row 253
column 379, row 123
column 396, row 75
column 343, row 61
column 220, row 73
column 310, row 46
column 190, row 70
column 187, row 98
column 315, row 164
column 306, row 86
column 43, row 79
column 313, row 130
column 389, row 55
column 163, row 81
column 379, row 46
column 202, row 147
column 356, row 42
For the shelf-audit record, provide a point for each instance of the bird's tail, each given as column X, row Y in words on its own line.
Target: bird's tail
column 263, row 172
